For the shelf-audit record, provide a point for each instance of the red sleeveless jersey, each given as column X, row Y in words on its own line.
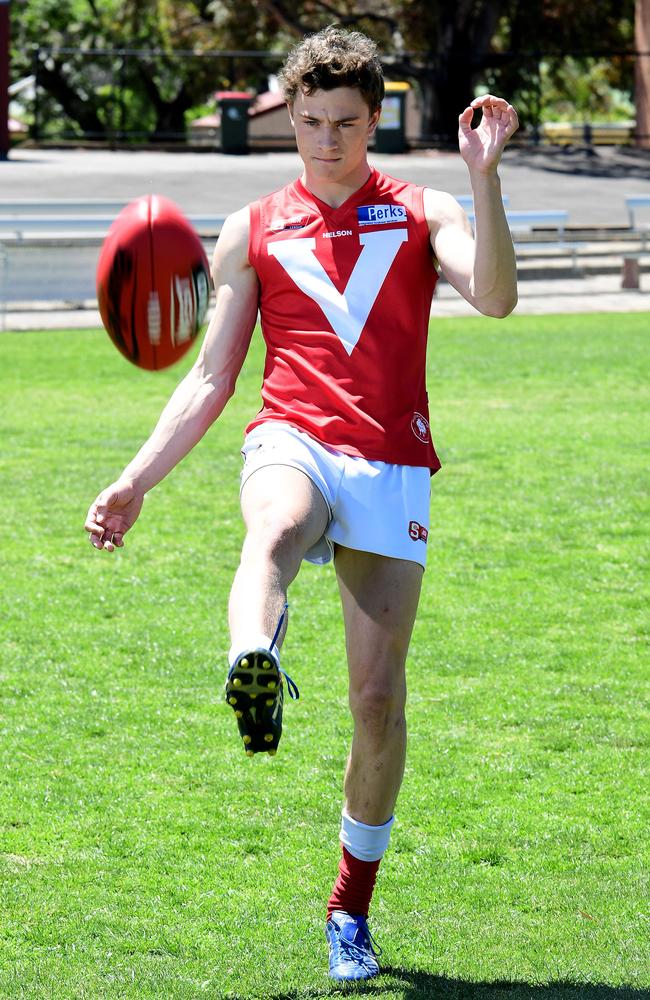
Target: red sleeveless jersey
column 345, row 298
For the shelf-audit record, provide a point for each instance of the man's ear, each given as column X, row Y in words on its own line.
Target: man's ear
column 372, row 124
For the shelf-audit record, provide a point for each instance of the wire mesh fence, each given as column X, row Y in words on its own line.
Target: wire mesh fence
column 137, row 96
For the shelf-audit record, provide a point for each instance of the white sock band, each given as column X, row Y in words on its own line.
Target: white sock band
column 256, row 642
column 367, row 843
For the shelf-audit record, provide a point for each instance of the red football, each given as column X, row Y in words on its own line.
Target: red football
column 153, row 282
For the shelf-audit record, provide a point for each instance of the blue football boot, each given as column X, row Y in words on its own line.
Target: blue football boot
column 352, row 948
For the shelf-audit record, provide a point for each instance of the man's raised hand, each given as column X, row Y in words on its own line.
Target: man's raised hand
column 481, row 148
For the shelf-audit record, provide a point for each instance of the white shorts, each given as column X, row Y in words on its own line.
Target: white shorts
column 373, row 506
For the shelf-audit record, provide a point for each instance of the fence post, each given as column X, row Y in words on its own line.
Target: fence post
column 36, row 63
column 538, row 98
column 3, row 287
column 121, row 85
column 4, row 79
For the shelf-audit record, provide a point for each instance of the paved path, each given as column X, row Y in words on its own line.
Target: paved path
column 600, row 293
column 591, row 187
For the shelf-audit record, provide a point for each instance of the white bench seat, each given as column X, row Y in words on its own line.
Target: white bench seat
column 526, row 228
column 17, row 226
column 59, row 241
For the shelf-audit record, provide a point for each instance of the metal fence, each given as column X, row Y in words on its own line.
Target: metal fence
column 137, row 93
column 137, row 96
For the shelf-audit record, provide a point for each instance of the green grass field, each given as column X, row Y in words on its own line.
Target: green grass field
column 143, row 855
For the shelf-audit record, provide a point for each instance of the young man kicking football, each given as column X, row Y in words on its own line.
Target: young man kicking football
column 341, row 265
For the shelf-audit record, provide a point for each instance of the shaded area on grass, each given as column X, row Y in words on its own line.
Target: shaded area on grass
column 413, row 984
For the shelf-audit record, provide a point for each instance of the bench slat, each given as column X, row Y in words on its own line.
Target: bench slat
column 60, row 206
column 521, row 221
column 18, row 226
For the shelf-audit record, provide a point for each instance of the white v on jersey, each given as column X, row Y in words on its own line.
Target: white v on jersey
column 347, row 311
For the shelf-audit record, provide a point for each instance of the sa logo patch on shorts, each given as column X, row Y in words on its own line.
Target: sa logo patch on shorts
column 417, row 532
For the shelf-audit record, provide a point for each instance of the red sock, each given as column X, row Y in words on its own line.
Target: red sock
column 353, row 888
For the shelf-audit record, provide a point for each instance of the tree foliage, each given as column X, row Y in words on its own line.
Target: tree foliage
column 447, row 50
column 450, row 50
column 557, row 52
column 439, row 46
column 102, row 87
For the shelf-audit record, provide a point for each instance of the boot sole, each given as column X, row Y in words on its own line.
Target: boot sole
column 254, row 692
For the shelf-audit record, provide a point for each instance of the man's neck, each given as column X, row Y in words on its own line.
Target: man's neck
column 335, row 193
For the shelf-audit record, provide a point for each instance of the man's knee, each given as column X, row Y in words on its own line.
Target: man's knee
column 274, row 535
column 377, row 703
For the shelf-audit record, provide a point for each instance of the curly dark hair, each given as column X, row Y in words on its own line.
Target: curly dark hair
column 334, row 58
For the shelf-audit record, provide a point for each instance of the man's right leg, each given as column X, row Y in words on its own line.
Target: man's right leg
column 285, row 515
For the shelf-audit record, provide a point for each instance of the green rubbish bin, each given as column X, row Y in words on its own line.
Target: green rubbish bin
column 390, row 136
column 234, row 105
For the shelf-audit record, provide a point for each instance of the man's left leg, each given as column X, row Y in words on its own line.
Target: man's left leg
column 380, row 598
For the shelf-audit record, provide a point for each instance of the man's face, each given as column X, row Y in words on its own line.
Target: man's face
column 332, row 131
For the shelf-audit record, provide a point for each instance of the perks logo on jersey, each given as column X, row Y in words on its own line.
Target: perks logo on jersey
column 420, row 427
column 380, row 215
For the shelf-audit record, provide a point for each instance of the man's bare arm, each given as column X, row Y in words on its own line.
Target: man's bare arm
column 481, row 267
column 201, row 395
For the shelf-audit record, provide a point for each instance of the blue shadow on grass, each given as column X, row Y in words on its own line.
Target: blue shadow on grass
column 426, row 986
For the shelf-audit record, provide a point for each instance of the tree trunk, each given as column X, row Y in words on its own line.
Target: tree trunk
column 464, row 37
column 446, row 92
column 170, row 115
column 170, row 120
column 642, row 73
column 4, row 79
column 53, row 79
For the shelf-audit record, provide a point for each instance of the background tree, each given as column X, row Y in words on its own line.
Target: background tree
column 451, row 50
column 447, row 50
column 440, row 46
column 102, row 95
column 562, row 51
